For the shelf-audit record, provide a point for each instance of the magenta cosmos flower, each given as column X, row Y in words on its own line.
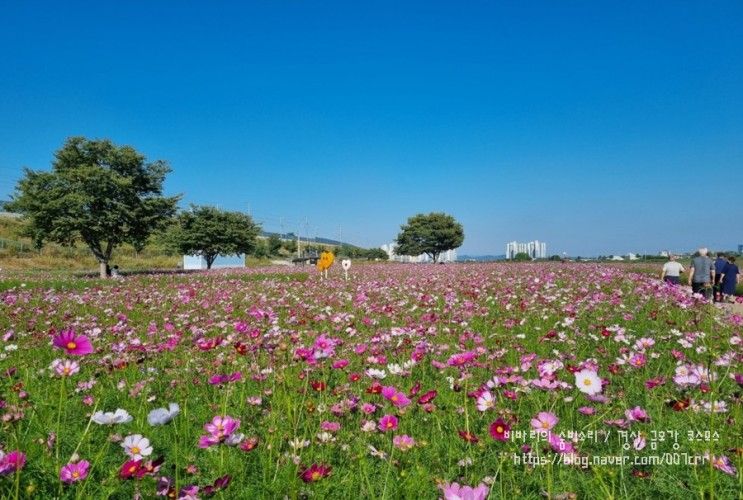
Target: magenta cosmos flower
column 315, row 472
column 454, row 491
column 397, row 398
column 387, row 423
column 75, row 471
column 76, row 345
column 499, row 430
column 12, row 462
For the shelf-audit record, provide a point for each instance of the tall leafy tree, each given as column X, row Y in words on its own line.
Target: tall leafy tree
column 274, row 245
column 431, row 234
column 210, row 232
column 96, row 192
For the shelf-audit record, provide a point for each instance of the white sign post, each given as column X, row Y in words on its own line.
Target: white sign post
column 346, row 263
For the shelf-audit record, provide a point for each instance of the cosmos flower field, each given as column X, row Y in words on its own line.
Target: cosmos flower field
column 458, row 381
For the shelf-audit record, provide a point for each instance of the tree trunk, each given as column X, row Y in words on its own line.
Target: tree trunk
column 102, row 269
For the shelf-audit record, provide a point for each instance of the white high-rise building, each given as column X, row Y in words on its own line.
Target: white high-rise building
column 535, row 249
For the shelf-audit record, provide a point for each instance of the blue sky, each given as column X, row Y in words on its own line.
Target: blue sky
column 597, row 127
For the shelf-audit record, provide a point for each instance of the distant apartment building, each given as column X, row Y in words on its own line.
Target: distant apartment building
column 535, row 249
column 448, row 256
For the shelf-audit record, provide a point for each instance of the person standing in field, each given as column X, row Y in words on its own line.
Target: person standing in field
column 672, row 271
column 702, row 274
column 729, row 279
column 720, row 264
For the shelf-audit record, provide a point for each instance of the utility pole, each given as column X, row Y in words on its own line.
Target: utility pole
column 299, row 245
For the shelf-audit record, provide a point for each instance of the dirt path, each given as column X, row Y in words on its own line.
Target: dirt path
column 734, row 308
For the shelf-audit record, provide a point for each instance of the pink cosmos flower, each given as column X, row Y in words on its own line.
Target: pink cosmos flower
column 368, row 408
column 544, row 421
column 454, row 491
column 387, row 423
column 76, row 345
column 12, row 462
column 638, row 360
column 74, row 471
column 403, row 442
column 485, row 401
column 223, row 379
column 722, row 463
column 559, row 445
column 654, row 382
column 330, row 426
column 637, row 414
column 397, row 398
column 65, row 368
column 586, row 410
column 461, row 359
column 219, row 429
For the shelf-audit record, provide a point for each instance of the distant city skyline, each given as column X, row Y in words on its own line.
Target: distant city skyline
column 535, row 249
column 592, row 125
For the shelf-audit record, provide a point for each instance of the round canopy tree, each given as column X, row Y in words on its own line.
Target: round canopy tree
column 97, row 192
column 431, row 234
column 210, row 232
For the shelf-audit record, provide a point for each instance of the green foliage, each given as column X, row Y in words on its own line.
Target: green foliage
column 261, row 250
column 209, row 232
column 97, row 192
column 290, row 245
column 376, row 253
column 521, row 257
column 274, row 244
column 431, row 234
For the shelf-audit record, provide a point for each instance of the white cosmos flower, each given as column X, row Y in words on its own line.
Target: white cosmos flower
column 110, row 418
column 162, row 416
column 234, row 439
column 298, row 444
column 375, row 373
column 136, row 446
column 588, row 382
column 395, row 369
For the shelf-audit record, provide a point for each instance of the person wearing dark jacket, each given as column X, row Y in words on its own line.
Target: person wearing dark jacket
column 730, row 278
column 720, row 264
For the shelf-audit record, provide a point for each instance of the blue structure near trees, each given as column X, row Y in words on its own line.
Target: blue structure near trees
column 221, row 262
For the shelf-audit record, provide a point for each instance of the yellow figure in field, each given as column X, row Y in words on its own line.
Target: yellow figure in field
column 326, row 260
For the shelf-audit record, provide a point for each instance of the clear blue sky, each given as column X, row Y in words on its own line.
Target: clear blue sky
column 597, row 127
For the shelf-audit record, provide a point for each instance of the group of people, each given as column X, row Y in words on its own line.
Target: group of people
column 714, row 279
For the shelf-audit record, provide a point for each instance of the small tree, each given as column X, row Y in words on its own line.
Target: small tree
column 97, row 192
column 274, row 244
column 290, row 245
column 209, row 232
column 376, row 253
column 431, row 234
column 521, row 257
